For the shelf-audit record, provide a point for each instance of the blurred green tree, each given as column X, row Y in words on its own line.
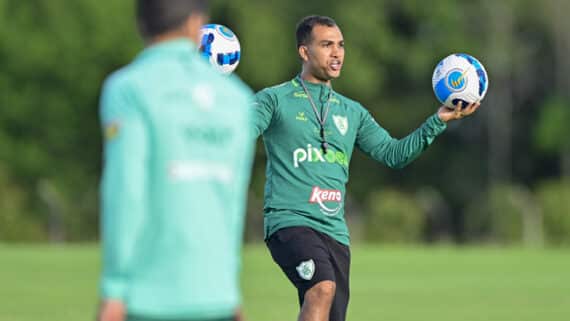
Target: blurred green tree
column 55, row 54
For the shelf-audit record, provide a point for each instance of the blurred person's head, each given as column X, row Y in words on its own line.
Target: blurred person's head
column 160, row 20
column 320, row 45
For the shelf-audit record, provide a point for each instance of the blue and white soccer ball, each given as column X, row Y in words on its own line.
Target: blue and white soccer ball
column 220, row 46
column 459, row 77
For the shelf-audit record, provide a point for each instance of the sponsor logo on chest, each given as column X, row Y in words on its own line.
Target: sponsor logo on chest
column 192, row 171
column 317, row 155
column 329, row 200
column 203, row 96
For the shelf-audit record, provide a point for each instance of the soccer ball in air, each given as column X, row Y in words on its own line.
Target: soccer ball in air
column 220, row 46
column 459, row 77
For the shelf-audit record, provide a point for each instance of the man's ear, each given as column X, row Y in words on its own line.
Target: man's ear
column 193, row 24
column 304, row 53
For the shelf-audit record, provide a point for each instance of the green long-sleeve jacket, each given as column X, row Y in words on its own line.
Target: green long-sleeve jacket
column 305, row 186
column 177, row 162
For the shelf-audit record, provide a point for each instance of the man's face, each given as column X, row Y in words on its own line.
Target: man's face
column 324, row 54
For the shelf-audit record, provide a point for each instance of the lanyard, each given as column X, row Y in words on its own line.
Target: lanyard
column 321, row 117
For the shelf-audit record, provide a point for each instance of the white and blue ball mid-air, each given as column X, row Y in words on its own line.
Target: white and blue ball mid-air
column 459, row 78
column 220, row 46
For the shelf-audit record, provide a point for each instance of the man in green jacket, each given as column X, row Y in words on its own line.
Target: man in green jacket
column 310, row 131
column 177, row 161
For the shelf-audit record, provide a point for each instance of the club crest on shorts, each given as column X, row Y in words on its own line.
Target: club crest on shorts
column 306, row 269
column 341, row 123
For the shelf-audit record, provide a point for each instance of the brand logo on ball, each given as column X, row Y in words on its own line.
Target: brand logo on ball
column 322, row 196
column 227, row 33
column 306, row 269
column 456, row 80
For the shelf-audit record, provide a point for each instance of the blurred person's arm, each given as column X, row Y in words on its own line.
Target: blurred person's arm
column 111, row 310
column 246, row 141
column 239, row 315
column 264, row 106
column 123, row 193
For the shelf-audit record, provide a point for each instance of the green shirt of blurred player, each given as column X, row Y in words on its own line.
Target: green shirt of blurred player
column 177, row 160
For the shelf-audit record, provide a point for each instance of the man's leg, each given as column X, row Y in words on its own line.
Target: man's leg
column 318, row 298
column 305, row 258
column 317, row 302
column 341, row 264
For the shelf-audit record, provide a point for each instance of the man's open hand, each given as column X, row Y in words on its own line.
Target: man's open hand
column 446, row 114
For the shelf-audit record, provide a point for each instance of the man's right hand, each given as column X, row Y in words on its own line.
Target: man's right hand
column 111, row 310
column 447, row 114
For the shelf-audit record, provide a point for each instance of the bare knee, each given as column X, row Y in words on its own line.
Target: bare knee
column 323, row 290
column 317, row 303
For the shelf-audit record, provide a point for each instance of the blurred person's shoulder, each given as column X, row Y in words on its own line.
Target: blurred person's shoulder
column 118, row 79
column 233, row 84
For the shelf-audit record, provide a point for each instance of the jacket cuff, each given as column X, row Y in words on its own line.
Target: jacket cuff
column 436, row 125
column 113, row 288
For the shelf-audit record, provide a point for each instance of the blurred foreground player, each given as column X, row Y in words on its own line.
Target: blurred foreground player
column 177, row 161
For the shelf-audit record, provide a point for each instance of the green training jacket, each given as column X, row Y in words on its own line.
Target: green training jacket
column 305, row 186
column 177, row 161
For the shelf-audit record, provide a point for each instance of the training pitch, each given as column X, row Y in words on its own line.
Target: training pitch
column 59, row 283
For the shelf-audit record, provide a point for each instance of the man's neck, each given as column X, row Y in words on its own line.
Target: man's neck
column 309, row 77
column 169, row 36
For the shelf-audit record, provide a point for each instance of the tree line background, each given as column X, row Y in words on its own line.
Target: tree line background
column 500, row 176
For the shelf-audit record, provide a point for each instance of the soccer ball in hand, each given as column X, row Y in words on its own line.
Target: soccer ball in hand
column 459, row 77
column 220, row 46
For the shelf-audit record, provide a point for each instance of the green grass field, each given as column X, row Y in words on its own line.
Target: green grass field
column 46, row 283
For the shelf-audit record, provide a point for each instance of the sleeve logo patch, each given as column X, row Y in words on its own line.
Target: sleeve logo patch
column 111, row 131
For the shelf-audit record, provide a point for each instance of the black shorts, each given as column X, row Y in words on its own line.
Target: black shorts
column 308, row 257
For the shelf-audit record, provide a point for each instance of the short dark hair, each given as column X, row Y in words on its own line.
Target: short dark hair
column 155, row 17
column 306, row 25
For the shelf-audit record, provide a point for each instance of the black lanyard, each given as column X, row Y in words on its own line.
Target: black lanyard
column 321, row 118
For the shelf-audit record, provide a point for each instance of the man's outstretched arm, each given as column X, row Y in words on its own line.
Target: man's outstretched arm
column 376, row 142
